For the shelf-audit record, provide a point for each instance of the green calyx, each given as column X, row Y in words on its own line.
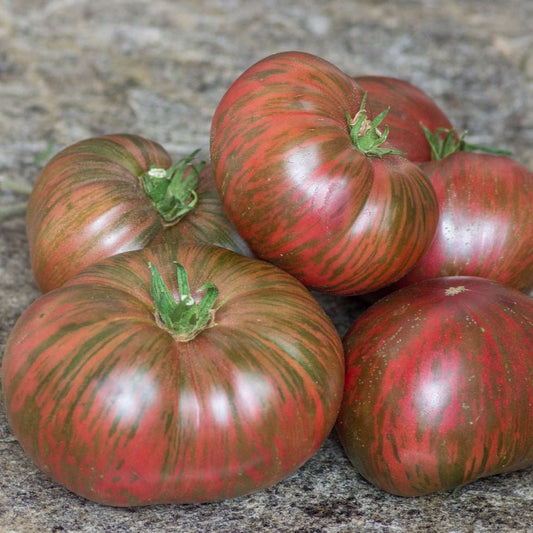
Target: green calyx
column 173, row 191
column 366, row 135
column 445, row 142
column 183, row 318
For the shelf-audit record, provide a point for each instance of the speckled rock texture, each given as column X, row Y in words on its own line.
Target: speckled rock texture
column 70, row 69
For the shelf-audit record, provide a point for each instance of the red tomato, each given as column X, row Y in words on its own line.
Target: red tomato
column 310, row 181
column 90, row 202
column 122, row 405
column 485, row 227
column 409, row 108
column 439, row 386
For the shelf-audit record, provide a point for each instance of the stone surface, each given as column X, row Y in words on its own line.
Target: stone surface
column 70, row 69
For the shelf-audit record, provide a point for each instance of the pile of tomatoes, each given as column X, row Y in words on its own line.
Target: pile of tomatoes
column 177, row 353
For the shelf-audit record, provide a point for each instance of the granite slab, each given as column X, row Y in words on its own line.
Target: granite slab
column 70, row 69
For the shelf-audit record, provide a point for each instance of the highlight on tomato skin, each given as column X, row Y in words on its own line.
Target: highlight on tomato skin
column 439, row 386
column 311, row 181
column 173, row 374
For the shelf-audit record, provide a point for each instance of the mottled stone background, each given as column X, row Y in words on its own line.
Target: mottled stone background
column 70, row 69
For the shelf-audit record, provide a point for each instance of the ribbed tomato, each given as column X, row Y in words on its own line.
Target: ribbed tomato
column 485, row 227
column 409, row 107
column 308, row 178
column 115, row 397
column 439, row 386
column 92, row 200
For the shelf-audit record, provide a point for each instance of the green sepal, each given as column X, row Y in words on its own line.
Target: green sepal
column 366, row 135
column 173, row 191
column 445, row 141
column 185, row 317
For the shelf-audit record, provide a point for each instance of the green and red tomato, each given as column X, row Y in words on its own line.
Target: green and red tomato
column 114, row 193
column 439, row 386
column 485, row 229
column 310, row 180
column 121, row 401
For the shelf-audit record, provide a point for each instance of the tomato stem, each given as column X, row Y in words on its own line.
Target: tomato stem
column 445, row 142
column 172, row 190
column 186, row 317
column 366, row 135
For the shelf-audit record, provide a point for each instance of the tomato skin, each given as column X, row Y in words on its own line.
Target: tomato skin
column 485, row 230
column 409, row 107
column 439, row 386
column 88, row 203
column 301, row 194
column 121, row 412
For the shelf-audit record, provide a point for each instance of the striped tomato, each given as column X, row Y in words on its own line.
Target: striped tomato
column 310, row 181
column 439, row 386
column 485, row 228
column 409, row 108
column 111, row 194
column 115, row 396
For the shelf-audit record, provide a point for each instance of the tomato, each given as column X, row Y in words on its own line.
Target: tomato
column 485, row 229
column 91, row 201
column 114, row 399
column 409, row 107
column 439, row 386
column 310, row 181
